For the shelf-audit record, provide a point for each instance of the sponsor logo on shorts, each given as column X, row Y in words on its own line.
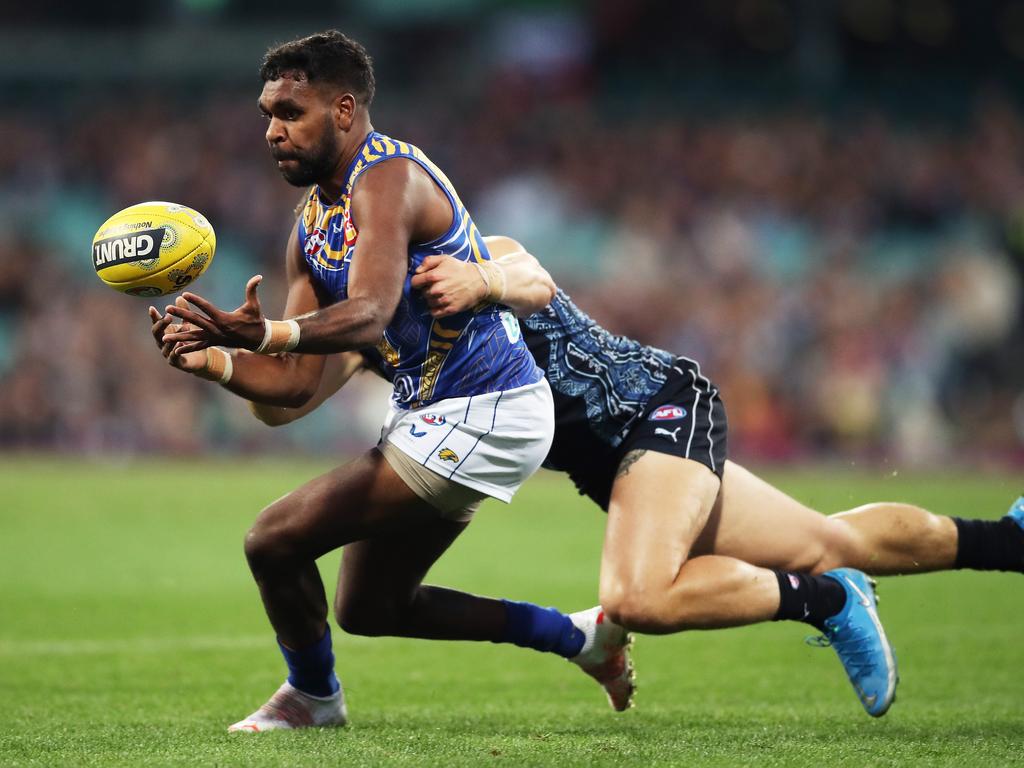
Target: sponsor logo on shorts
column 433, row 419
column 668, row 413
column 665, row 433
column 794, row 582
column 447, row 454
column 414, row 433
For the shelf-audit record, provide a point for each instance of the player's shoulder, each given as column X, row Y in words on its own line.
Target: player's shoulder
column 378, row 147
column 404, row 171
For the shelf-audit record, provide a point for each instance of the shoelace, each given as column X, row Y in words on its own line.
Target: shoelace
column 855, row 650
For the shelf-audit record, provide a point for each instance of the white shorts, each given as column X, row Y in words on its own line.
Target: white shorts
column 490, row 442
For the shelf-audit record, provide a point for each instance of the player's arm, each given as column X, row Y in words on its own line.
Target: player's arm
column 392, row 204
column 513, row 277
column 338, row 369
column 284, row 379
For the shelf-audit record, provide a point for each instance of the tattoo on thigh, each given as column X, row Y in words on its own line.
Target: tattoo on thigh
column 628, row 461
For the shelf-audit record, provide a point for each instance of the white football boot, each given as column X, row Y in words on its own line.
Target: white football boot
column 291, row 708
column 605, row 656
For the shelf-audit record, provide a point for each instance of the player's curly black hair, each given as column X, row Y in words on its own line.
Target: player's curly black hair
column 328, row 56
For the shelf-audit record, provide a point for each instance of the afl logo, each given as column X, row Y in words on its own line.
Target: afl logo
column 433, row 419
column 668, row 413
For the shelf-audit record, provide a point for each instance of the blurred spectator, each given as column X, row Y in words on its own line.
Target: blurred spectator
column 845, row 280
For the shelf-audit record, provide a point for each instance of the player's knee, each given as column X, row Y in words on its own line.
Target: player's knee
column 259, row 549
column 364, row 617
column 268, row 545
column 838, row 546
column 632, row 607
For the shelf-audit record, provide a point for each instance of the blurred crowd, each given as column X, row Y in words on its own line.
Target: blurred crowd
column 851, row 282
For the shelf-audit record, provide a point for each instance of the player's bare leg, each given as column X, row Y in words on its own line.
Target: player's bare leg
column 361, row 499
column 659, row 506
column 391, row 538
column 756, row 522
column 380, row 589
column 380, row 593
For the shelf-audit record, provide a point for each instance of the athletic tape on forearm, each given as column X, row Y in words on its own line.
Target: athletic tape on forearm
column 219, row 366
column 278, row 336
column 493, row 276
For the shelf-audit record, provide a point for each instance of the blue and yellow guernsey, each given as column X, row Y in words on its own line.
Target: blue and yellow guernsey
column 466, row 354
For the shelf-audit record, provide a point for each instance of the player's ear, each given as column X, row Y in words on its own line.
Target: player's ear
column 344, row 111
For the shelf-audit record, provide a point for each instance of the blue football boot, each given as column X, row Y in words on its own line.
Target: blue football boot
column 1016, row 512
column 856, row 635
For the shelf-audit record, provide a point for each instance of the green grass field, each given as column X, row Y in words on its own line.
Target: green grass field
column 131, row 634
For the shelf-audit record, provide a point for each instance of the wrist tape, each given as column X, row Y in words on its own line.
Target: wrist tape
column 494, row 279
column 219, row 366
column 278, row 336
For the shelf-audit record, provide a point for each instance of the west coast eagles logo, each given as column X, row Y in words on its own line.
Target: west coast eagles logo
column 315, row 242
column 327, row 236
column 447, row 454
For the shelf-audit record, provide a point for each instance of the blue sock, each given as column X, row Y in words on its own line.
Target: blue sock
column 311, row 669
column 543, row 629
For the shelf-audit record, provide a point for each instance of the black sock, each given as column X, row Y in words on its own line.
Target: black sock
column 807, row 598
column 989, row 545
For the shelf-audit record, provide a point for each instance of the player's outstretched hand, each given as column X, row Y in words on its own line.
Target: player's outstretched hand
column 448, row 285
column 243, row 328
column 163, row 324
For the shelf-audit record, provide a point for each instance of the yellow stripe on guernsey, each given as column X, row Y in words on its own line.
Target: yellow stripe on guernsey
column 441, row 342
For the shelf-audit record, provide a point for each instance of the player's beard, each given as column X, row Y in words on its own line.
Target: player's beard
column 314, row 165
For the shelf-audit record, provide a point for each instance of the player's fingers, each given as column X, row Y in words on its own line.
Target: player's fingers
column 193, row 346
column 166, row 347
column 174, row 356
column 177, row 355
column 180, row 302
column 194, row 318
column 159, row 325
column 441, row 309
column 198, row 301
column 428, row 264
column 193, row 334
column 250, row 290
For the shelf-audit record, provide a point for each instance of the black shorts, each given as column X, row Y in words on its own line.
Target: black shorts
column 686, row 418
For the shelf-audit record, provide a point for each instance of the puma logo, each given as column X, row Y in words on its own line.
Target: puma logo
column 666, row 433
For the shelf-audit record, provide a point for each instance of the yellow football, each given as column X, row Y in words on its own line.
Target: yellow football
column 152, row 249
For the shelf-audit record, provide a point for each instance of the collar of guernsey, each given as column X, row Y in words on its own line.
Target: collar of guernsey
column 471, row 353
